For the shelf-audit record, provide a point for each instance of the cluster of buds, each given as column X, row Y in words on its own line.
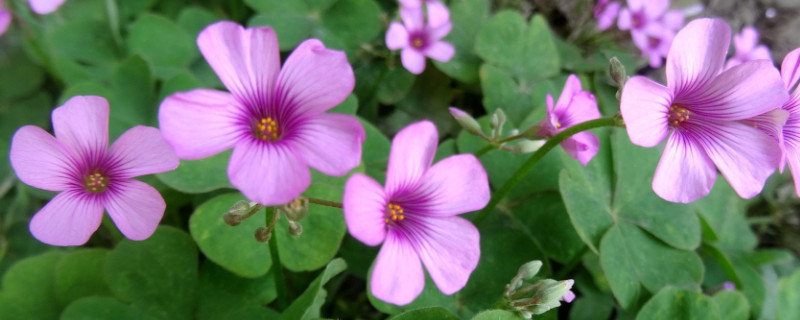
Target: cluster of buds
column 523, row 144
column 294, row 212
column 537, row 298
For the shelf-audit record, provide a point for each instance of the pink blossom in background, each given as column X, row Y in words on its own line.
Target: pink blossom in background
column 414, row 216
column 418, row 39
column 438, row 14
column 728, row 286
column 790, row 72
column 274, row 118
column 654, row 43
column 747, row 48
column 574, row 106
column 606, row 11
column 89, row 175
column 45, row 6
column 706, row 110
column 639, row 15
column 5, row 19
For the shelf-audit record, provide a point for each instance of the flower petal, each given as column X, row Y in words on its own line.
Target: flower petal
column 364, row 205
column 571, row 88
column 397, row 276
column 268, row 173
column 441, row 51
column 39, row 160
column 624, row 22
column 45, row 6
column 455, row 185
column 411, row 3
column 396, row 36
column 685, row 173
column 744, row 91
column 745, row 155
column 772, row 123
column 141, row 150
column 793, row 158
column 69, row 219
column 673, row 19
column 413, row 149
column 582, row 146
column 440, row 31
column 790, row 70
column 413, row 60
column 313, row 79
column 135, row 207
column 645, row 105
column 697, row 54
column 581, row 108
column 437, row 13
column 655, row 8
column 246, row 60
column 746, row 40
column 81, row 125
column 413, row 18
column 5, row 21
column 330, row 143
column 450, row 248
column 201, row 122
column 605, row 18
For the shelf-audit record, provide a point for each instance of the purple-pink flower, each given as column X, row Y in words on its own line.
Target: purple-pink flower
column 606, row 11
column 274, row 118
column 574, row 106
column 5, row 19
column 45, row 6
column 790, row 72
column 728, row 286
column 640, row 15
column 419, row 38
column 89, row 175
column 414, row 216
column 747, row 48
column 569, row 296
column 654, row 43
column 437, row 11
column 710, row 114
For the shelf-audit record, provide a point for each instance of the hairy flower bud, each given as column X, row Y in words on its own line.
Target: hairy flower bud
column 240, row 211
column 617, row 72
column 295, row 228
column 467, row 122
column 263, row 234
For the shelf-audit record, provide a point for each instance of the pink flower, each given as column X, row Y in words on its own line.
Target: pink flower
column 728, row 286
column 45, row 6
column 5, row 19
column 708, row 112
column 569, row 296
column 606, row 11
column 273, row 118
column 574, row 106
column 437, row 11
column 790, row 72
column 654, row 43
column 747, row 48
column 414, row 216
column 89, row 175
column 419, row 39
column 641, row 14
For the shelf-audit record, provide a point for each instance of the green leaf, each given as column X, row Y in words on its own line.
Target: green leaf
column 375, row 151
column 308, row 305
column 732, row 305
column 630, row 257
column 21, row 76
column 508, row 42
column 672, row 303
column 546, row 219
column 501, row 91
column 28, row 288
column 429, row 98
column 348, row 106
column 223, row 293
column 323, row 228
column 80, row 274
column 157, row 275
column 725, row 212
column 353, row 22
column 85, row 41
column 101, row 308
column 167, row 47
column 194, row 19
column 134, row 96
column 291, row 27
column 394, row 85
column 467, row 18
column 788, row 296
column 31, row 110
column 496, row 315
column 233, row 248
column 431, row 313
column 183, row 81
column 199, row 176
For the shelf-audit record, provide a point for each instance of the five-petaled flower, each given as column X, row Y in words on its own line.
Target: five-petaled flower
column 414, row 216
column 90, row 175
column 747, row 48
column 420, row 38
column 574, row 106
column 712, row 115
column 273, row 118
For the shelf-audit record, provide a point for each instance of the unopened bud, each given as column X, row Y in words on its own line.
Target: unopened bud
column 295, row 228
column 530, row 269
column 240, row 210
column 617, row 72
column 263, row 234
column 467, row 122
column 552, row 292
column 498, row 119
column 297, row 209
column 525, row 146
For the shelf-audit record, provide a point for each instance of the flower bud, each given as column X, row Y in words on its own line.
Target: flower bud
column 617, row 72
column 525, row 146
column 297, row 209
column 295, row 228
column 553, row 291
column 467, row 122
column 498, row 120
column 263, row 234
column 530, row 269
column 240, row 211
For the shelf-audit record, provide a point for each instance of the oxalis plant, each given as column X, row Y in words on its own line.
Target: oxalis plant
column 411, row 159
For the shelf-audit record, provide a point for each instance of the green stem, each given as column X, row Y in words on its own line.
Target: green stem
column 277, row 271
column 333, row 204
column 538, row 155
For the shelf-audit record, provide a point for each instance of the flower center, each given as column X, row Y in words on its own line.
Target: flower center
column 394, row 213
column 267, row 130
column 653, row 42
column 96, row 182
column 678, row 115
column 417, row 42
